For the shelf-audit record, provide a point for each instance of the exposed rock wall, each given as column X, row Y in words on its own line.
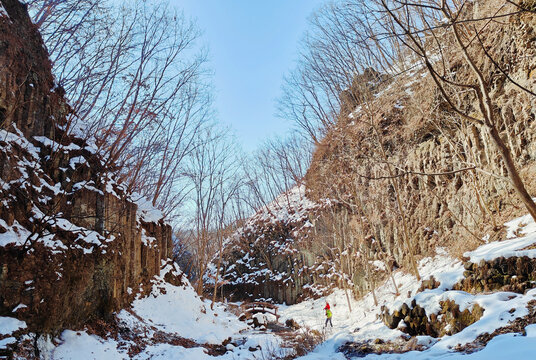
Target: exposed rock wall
column 74, row 245
column 271, row 265
column 420, row 134
column 26, row 95
column 450, row 319
column 275, row 255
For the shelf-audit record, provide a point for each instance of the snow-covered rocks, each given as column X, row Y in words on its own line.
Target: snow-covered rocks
column 483, row 315
column 273, row 252
column 8, row 326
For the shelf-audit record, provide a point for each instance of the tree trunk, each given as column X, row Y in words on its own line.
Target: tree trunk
column 217, row 276
column 513, row 174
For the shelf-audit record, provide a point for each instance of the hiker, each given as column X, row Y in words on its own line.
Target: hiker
column 328, row 315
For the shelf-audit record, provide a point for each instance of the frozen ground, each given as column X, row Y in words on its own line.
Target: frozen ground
column 178, row 311
column 362, row 322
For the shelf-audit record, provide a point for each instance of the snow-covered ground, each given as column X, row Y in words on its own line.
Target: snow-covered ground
column 363, row 323
column 168, row 310
column 179, row 311
column 515, row 245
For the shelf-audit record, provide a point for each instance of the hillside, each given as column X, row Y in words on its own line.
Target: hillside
column 403, row 173
column 414, row 220
column 411, row 174
column 75, row 245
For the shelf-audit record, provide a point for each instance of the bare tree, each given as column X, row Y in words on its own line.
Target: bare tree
column 213, row 173
column 441, row 29
column 135, row 80
column 277, row 166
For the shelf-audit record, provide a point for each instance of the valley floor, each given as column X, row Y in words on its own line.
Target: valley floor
column 174, row 323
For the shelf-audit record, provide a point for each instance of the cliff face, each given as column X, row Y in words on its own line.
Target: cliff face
column 272, row 255
column 74, row 244
column 415, row 134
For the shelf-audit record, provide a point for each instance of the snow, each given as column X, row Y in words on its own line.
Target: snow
column 20, row 140
column 75, row 161
column 362, row 325
column 513, row 246
column 82, row 346
column 15, row 234
column 9, row 325
column 110, row 189
column 146, row 211
column 3, row 11
column 86, row 185
column 148, row 241
column 166, row 351
column 265, row 319
column 20, row 306
column 378, row 264
column 178, row 311
column 499, row 348
column 364, row 313
column 54, row 145
column 18, row 235
column 290, row 207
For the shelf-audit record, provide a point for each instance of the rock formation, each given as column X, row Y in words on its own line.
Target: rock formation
column 74, row 244
column 468, row 197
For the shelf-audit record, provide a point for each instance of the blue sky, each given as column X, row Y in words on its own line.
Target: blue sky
column 252, row 43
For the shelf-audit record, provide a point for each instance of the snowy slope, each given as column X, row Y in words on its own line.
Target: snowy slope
column 363, row 323
column 515, row 246
column 168, row 311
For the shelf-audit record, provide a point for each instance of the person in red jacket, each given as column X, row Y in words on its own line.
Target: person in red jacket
column 328, row 315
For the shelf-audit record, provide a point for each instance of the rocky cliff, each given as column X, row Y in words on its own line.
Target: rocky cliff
column 408, row 157
column 410, row 175
column 272, row 256
column 74, row 244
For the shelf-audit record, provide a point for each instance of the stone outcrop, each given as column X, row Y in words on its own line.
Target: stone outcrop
column 285, row 252
column 74, row 245
column 269, row 261
column 514, row 274
column 450, row 319
column 420, row 134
